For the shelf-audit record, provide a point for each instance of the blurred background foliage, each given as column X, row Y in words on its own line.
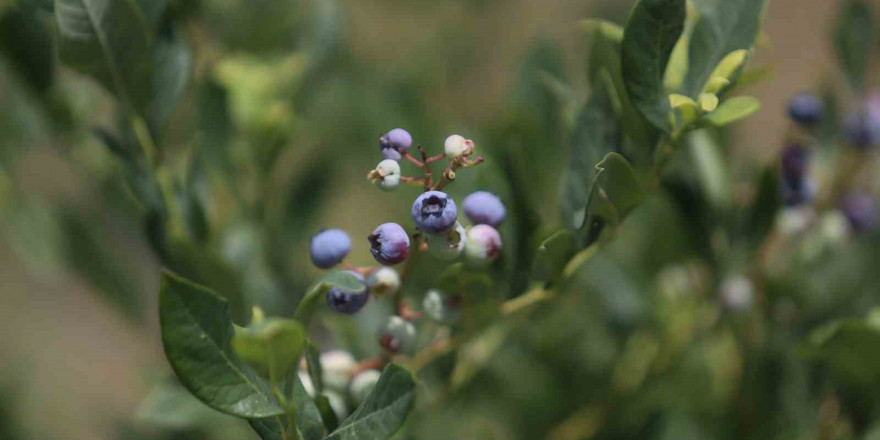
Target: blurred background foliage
column 279, row 105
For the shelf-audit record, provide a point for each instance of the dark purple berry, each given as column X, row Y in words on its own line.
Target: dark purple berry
column 863, row 129
column 795, row 161
column 348, row 302
column 389, row 244
column 806, row 108
column 434, row 212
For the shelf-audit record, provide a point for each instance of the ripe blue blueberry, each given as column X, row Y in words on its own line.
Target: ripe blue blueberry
column 806, row 108
column 398, row 336
column 483, row 207
column 860, row 208
column 863, row 129
column 348, row 302
column 434, row 212
column 329, row 247
column 794, row 163
column 449, row 245
column 389, row 244
column 483, row 244
column 395, row 143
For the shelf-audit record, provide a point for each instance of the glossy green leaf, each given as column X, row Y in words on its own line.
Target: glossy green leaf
column 271, row 344
column 733, row 110
column 308, row 418
column 725, row 26
column 553, row 254
column 615, row 192
column 196, row 334
column 383, row 411
column 315, row 295
column 650, row 35
column 596, row 134
column 853, row 38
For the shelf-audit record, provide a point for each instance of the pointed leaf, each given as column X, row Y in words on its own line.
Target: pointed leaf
column 725, row 26
column 553, row 254
column 732, row 110
column 383, row 411
column 853, row 38
column 196, row 334
column 615, row 192
column 648, row 40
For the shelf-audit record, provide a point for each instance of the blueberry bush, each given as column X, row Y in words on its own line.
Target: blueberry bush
column 593, row 264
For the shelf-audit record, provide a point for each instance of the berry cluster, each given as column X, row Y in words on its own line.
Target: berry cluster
column 438, row 232
column 799, row 187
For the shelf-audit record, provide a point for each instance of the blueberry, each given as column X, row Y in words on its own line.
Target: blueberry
column 449, row 245
column 441, row 307
column 337, row 366
column 860, row 208
column 736, row 293
column 389, row 244
column 434, row 212
column 806, row 108
column 863, row 129
column 363, row 384
column 798, row 193
column 483, row 244
column 348, row 302
column 329, row 247
column 398, row 336
column 386, row 175
column 395, row 143
column 456, row 145
column 383, row 282
column 794, row 164
column 483, row 207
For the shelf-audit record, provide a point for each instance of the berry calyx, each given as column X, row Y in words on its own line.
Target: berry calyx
column 434, row 212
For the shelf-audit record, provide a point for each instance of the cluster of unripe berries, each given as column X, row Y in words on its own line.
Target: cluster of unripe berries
column 436, row 217
column 798, row 187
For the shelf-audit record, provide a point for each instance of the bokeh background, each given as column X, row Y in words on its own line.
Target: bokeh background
column 80, row 348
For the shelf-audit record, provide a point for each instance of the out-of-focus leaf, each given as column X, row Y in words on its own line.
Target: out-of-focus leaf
column 26, row 39
column 553, row 254
column 596, row 134
column 648, row 40
column 328, row 415
column 109, row 39
column 762, row 214
column 615, row 192
column 308, row 418
column 733, row 110
column 313, row 362
column 273, row 345
column 849, row 347
column 709, row 161
column 725, row 26
column 172, row 67
column 383, row 411
column 853, row 39
column 196, row 334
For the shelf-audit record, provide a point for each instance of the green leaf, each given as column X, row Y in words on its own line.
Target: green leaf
column 686, row 107
column 308, row 418
column 313, row 362
column 341, row 279
column 196, row 334
column 272, row 344
column 725, row 26
column 596, row 134
column 615, row 192
column 108, row 39
column 553, row 254
column 732, row 110
column 648, row 40
column 849, row 347
column 711, row 167
column 383, row 411
column 853, row 37
column 172, row 67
